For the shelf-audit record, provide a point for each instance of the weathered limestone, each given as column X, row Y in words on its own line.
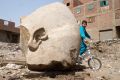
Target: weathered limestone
column 50, row 38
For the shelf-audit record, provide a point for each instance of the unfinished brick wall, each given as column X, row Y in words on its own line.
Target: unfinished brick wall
column 8, row 31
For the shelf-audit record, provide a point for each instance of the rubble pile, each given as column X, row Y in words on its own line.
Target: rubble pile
column 109, row 54
column 10, row 51
column 108, row 49
column 12, row 72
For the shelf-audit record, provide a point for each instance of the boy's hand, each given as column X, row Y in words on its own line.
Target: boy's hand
column 87, row 41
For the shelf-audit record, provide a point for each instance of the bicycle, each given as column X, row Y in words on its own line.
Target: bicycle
column 93, row 62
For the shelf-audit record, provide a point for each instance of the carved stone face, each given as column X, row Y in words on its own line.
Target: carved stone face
column 47, row 37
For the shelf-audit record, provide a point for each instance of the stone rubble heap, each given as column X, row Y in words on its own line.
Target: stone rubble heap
column 109, row 48
column 12, row 72
column 107, row 51
column 10, row 51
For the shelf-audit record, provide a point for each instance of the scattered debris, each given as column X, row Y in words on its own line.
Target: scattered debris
column 13, row 66
column 109, row 55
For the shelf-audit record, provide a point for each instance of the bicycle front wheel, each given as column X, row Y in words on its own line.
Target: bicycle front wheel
column 94, row 63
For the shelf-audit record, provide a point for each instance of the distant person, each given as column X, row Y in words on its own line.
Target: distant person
column 84, row 36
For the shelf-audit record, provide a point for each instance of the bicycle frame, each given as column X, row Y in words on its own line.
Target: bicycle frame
column 87, row 53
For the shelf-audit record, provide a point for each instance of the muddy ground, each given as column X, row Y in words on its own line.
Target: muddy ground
column 107, row 51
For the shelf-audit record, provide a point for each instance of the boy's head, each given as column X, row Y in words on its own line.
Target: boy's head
column 84, row 23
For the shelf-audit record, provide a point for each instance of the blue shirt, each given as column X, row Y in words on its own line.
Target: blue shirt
column 83, row 33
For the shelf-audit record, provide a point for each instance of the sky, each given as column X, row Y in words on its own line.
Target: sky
column 12, row 10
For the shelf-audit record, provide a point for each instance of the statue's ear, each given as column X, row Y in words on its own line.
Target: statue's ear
column 37, row 38
column 40, row 34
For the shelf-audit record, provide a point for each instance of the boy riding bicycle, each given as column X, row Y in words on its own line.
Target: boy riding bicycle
column 85, row 37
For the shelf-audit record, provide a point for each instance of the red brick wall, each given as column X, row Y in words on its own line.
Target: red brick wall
column 106, row 8
column 117, row 4
column 74, row 3
column 92, row 11
column 80, row 14
column 93, row 24
column 110, row 4
column 117, row 14
column 77, row 3
column 85, row 1
column 103, row 16
column 105, row 21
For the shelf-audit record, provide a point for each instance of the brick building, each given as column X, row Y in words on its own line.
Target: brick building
column 8, row 32
column 103, row 16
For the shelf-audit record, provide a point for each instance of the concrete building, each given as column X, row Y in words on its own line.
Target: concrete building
column 103, row 16
column 8, row 32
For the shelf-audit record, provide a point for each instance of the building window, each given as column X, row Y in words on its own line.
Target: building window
column 6, row 23
column 91, row 19
column 68, row 4
column 104, row 3
column 78, row 10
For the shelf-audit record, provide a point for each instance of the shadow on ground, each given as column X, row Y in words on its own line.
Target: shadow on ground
column 53, row 74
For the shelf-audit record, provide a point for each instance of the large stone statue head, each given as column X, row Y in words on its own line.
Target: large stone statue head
column 50, row 37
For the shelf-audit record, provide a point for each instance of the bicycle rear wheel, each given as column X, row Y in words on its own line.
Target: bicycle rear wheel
column 94, row 63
